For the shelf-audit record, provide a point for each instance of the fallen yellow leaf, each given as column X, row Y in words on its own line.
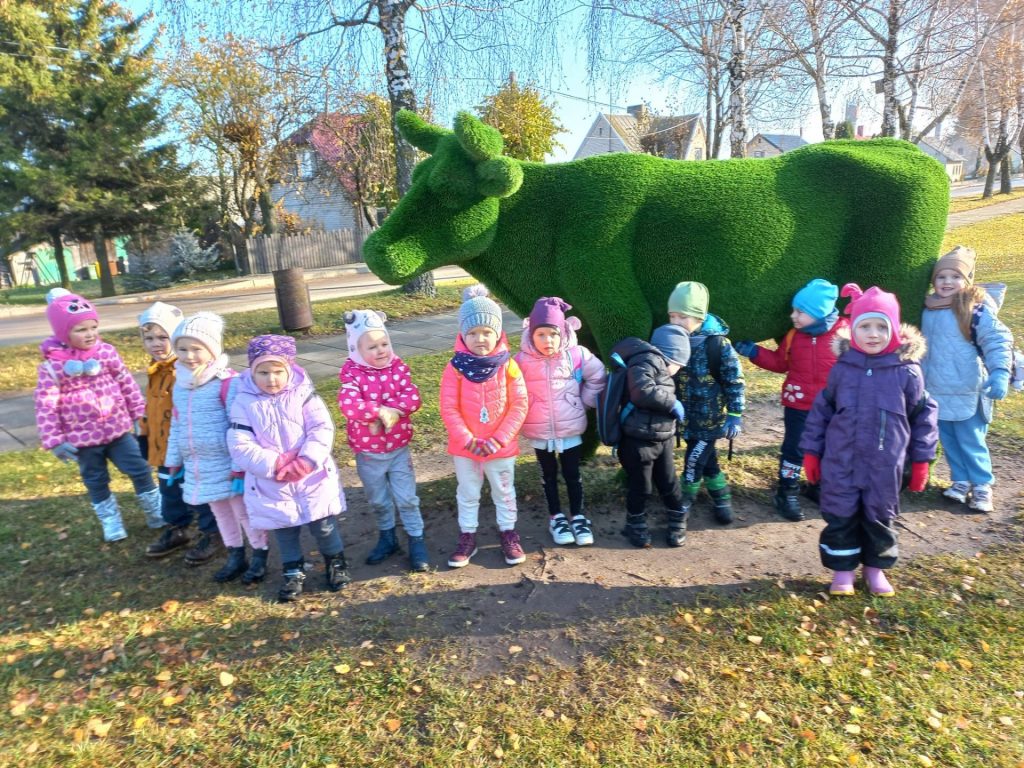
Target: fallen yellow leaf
column 763, row 716
column 852, row 728
column 925, row 761
column 342, row 669
column 19, row 709
column 499, row 753
column 227, row 679
column 169, row 700
column 140, row 721
column 393, row 724
column 163, row 676
column 754, row 639
column 58, row 674
column 400, row 648
column 98, row 728
column 514, row 649
column 170, row 606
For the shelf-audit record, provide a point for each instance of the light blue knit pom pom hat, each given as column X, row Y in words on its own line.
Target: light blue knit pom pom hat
column 477, row 310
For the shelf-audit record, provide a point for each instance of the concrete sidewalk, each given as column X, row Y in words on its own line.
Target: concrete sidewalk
column 321, row 357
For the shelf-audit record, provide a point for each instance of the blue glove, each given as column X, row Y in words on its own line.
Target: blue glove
column 997, row 383
column 68, row 452
column 238, row 485
column 172, row 478
column 733, row 425
column 746, row 348
column 677, row 411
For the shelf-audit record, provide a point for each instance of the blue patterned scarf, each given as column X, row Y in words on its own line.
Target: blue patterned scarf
column 479, row 368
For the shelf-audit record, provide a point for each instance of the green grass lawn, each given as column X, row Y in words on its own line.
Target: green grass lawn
column 90, row 289
column 960, row 204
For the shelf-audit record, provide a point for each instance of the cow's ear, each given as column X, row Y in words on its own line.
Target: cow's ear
column 499, row 177
column 418, row 131
column 480, row 140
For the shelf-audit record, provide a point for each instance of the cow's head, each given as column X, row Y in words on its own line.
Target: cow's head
column 450, row 213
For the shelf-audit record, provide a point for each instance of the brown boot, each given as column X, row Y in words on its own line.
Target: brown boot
column 208, row 546
column 171, row 540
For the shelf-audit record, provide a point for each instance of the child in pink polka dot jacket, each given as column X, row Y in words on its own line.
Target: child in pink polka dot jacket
column 87, row 404
column 377, row 396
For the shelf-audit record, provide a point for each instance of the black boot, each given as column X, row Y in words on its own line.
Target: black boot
column 419, row 558
column 636, row 531
column 676, row 528
column 171, row 540
column 337, row 571
column 291, row 587
column 787, row 500
column 234, row 567
column 721, row 497
column 812, row 491
column 257, row 567
column 386, row 546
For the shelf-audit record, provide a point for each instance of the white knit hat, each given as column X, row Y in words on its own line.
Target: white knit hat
column 206, row 328
column 358, row 322
column 163, row 315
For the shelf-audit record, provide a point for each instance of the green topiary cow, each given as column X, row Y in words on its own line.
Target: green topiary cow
column 613, row 234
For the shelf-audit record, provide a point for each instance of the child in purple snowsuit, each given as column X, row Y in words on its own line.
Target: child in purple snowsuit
column 282, row 436
column 873, row 415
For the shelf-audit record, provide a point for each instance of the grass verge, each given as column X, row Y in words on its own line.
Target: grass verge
column 961, row 204
column 90, row 289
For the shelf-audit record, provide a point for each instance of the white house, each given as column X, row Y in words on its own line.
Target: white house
column 678, row 137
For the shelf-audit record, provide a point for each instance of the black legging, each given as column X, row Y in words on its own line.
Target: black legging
column 570, row 459
column 649, row 464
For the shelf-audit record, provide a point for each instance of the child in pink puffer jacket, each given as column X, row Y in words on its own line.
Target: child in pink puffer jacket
column 563, row 379
column 87, row 404
column 483, row 404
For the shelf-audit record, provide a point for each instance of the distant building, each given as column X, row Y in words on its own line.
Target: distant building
column 311, row 188
column 951, row 161
column 772, row 144
column 676, row 137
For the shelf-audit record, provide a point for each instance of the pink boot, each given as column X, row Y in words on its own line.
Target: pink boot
column 842, row 583
column 878, row 584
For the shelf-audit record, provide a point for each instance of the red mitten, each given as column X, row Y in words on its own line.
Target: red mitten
column 297, row 470
column 812, row 468
column 918, row 476
column 283, row 461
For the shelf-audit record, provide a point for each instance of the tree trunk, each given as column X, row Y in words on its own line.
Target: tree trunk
column 401, row 96
column 738, row 81
column 265, row 203
column 58, row 256
column 890, row 117
column 99, row 244
column 1005, row 171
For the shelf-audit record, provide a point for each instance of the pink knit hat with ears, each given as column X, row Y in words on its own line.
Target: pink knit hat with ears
column 65, row 310
column 873, row 303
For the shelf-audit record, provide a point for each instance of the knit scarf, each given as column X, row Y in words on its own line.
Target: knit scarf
column 201, row 375
column 934, row 301
column 824, row 325
column 478, row 368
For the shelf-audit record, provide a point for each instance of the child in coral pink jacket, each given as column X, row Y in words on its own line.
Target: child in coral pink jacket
column 483, row 404
column 377, row 397
column 87, row 404
column 563, row 379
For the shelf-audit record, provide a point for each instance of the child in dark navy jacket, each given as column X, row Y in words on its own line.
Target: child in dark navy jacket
column 649, row 428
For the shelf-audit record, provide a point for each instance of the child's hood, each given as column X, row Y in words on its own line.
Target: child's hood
column 352, row 363
column 54, row 349
column 911, row 349
column 631, row 347
column 713, row 325
column 569, row 340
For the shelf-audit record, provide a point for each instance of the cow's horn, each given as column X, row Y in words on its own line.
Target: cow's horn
column 418, row 131
column 480, row 140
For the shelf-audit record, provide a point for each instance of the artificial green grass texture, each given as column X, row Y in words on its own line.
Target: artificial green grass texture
column 613, row 234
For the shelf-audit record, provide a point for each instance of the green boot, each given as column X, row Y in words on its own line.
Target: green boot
column 721, row 497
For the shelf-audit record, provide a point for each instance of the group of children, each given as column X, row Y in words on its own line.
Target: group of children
column 249, row 453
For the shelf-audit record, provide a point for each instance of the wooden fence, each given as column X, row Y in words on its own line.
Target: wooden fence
column 309, row 251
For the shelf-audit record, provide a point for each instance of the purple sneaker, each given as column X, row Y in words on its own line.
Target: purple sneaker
column 465, row 550
column 511, row 548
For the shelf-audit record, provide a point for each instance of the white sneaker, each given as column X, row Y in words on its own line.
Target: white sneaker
column 981, row 498
column 958, row 491
column 581, row 531
column 561, row 531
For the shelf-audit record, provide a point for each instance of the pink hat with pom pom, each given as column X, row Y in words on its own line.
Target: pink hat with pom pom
column 873, row 303
column 65, row 310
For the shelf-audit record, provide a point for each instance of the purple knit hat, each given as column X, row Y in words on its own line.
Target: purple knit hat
column 549, row 310
column 269, row 347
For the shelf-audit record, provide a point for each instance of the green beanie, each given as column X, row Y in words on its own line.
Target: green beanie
column 689, row 298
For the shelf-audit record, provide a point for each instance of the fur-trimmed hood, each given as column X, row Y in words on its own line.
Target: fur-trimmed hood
column 911, row 350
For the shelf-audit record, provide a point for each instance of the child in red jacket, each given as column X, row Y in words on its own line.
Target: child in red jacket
column 806, row 356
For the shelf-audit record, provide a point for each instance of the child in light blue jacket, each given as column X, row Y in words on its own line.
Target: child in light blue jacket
column 970, row 353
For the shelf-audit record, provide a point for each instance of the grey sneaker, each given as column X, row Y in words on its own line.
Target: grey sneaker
column 958, row 491
column 981, row 498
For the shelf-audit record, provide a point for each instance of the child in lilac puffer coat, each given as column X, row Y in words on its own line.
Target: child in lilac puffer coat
column 281, row 435
column 563, row 379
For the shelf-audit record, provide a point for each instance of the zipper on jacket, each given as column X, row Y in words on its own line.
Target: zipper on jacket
column 881, row 431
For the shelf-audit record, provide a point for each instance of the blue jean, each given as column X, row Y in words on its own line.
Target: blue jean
column 177, row 513
column 325, row 531
column 792, row 459
column 963, row 444
column 389, row 481
column 124, row 453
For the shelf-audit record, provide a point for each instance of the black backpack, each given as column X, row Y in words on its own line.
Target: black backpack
column 613, row 404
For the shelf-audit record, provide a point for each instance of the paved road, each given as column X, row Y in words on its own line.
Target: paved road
column 29, row 325
column 967, row 190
